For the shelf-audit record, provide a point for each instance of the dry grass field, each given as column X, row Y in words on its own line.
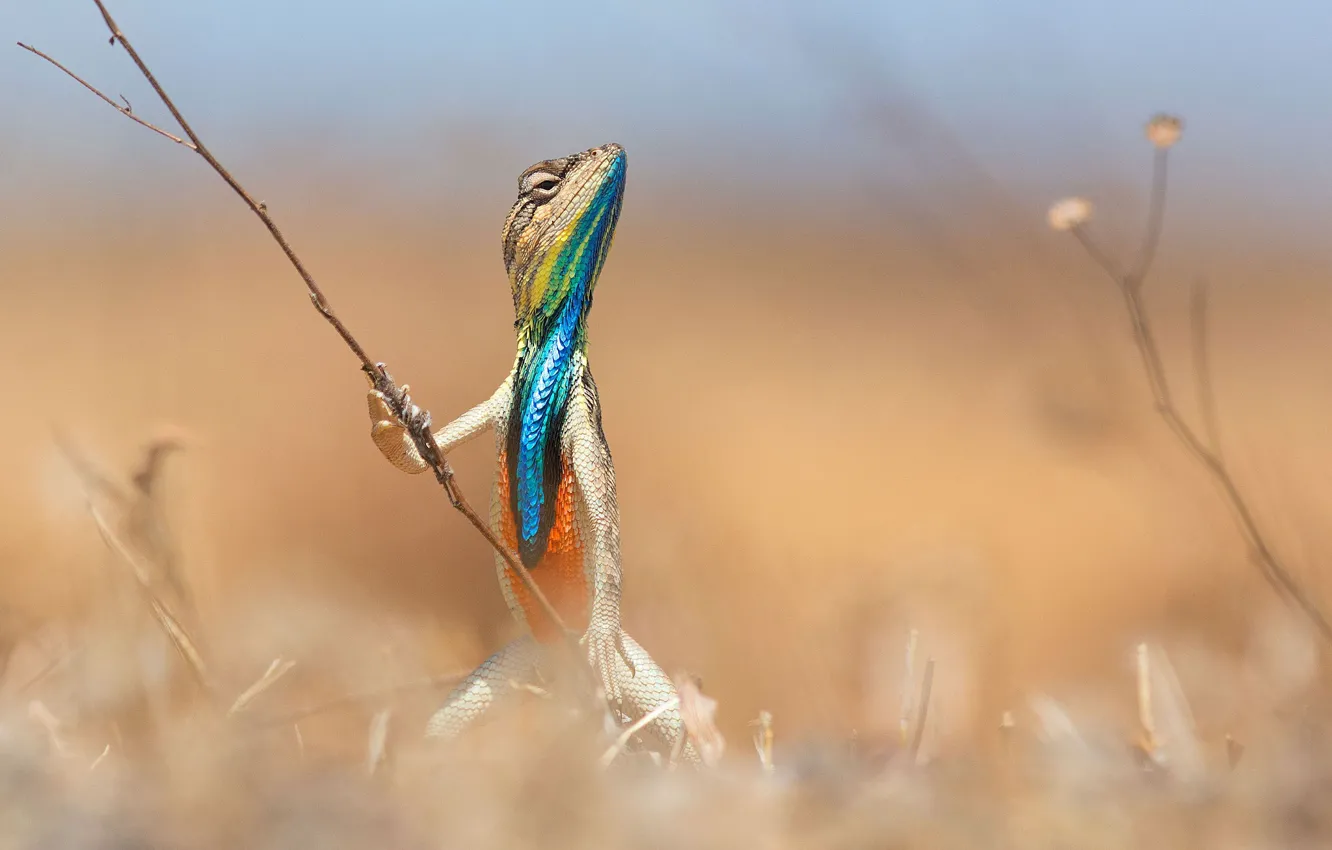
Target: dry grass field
column 828, row 432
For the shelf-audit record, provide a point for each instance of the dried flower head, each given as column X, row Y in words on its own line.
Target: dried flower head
column 1069, row 213
column 1164, row 130
column 699, row 713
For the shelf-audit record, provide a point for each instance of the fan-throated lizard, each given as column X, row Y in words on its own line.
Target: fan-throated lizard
column 553, row 501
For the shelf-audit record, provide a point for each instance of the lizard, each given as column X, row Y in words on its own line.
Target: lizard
column 553, row 501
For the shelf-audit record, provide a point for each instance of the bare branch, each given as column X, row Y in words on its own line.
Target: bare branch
column 1131, row 286
column 125, row 110
column 1102, row 259
column 418, row 421
column 1202, row 369
column 1155, row 219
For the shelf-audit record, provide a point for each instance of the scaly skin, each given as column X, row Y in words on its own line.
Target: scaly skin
column 554, row 496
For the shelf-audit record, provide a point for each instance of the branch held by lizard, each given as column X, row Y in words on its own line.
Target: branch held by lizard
column 417, row 420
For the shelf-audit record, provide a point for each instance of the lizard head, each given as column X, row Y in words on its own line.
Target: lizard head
column 557, row 235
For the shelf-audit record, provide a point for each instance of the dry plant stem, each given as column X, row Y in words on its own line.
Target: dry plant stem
column 419, row 423
column 275, row 671
column 1130, row 287
column 1202, row 368
column 106, row 751
column 41, row 675
column 926, row 686
column 1155, row 218
column 1146, row 717
column 763, row 740
column 908, row 676
column 123, row 110
column 180, row 638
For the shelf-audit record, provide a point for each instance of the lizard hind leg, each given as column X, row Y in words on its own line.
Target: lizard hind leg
column 645, row 690
column 486, row 687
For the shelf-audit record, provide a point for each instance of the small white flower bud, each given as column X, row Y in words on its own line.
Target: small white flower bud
column 1163, row 130
column 1069, row 213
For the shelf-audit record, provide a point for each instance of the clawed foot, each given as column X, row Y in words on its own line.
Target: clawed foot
column 392, row 433
column 603, row 646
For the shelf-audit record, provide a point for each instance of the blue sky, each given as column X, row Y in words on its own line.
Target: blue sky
column 1035, row 89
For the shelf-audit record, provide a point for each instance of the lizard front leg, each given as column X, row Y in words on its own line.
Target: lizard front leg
column 634, row 685
column 599, row 524
column 396, row 444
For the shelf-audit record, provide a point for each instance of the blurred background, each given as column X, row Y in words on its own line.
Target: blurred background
column 852, row 383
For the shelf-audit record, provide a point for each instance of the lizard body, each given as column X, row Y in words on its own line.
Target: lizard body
column 554, row 497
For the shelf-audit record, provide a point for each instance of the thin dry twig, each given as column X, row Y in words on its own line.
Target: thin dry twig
column 1130, row 286
column 418, row 421
column 1202, row 369
column 623, row 741
column 1155, row 218
column 126, row 110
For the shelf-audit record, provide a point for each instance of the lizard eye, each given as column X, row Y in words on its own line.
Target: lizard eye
column 542, row 185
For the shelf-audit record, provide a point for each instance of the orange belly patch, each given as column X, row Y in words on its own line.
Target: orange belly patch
column 559, row 573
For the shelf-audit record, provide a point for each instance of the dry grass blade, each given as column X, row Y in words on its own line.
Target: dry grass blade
column 276, row 671
column 925, row 689
column 1234, row 752
column 38, row 712
column 378, row 743
column 1146, row 717
column 908, row 689
column 180, row 638
column 763, row 740
column 1173, row 722
column 627, row 735
column 1054, row 724
column 49, row 669
column 95, row 482
column 106, row 751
